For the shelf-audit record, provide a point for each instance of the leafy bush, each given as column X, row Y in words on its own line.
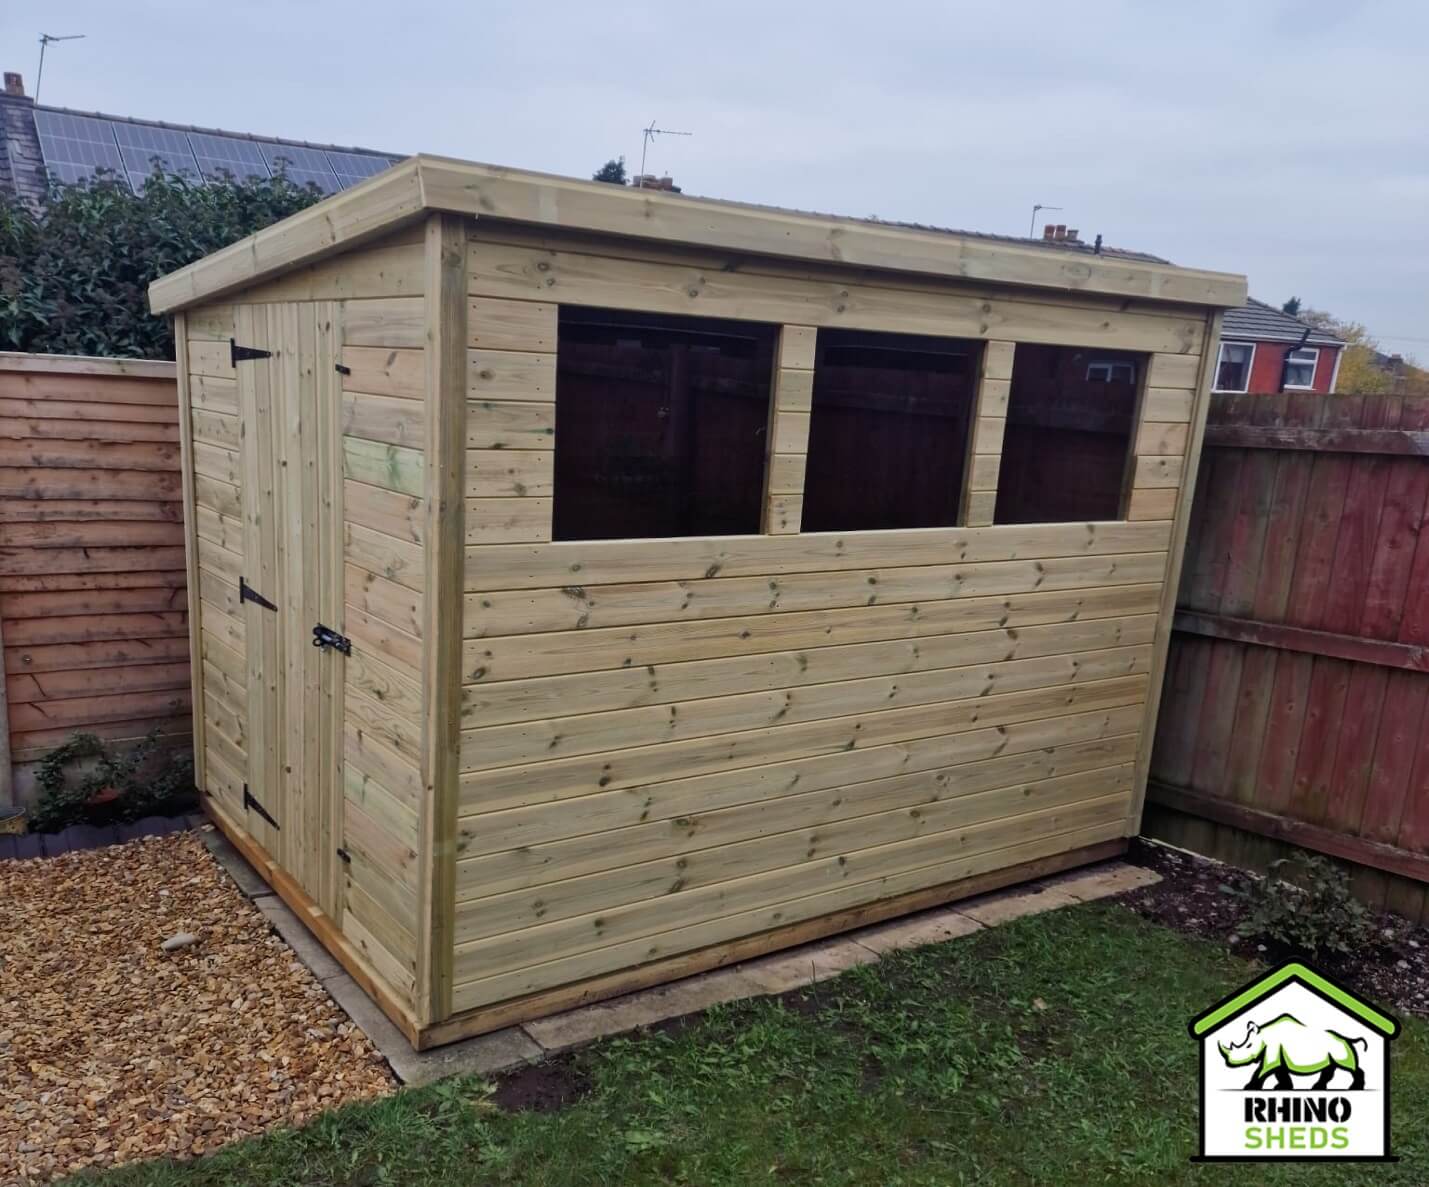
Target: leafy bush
column 88, row 780
column 1305, row 903
column 74, row 276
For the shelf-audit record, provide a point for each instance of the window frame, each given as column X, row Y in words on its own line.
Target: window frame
column 1249, row 368
column 1109, row 365
column 1313, row 361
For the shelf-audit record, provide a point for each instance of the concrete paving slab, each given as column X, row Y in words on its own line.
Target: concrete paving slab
column 1007, row 905
column 304, row 945
column 803, row 966
column 1104, row 881
column 234, row 864
column 930, row 927
column 588, row 1023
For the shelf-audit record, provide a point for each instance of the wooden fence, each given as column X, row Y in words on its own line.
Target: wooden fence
column 93, row 627
column 1294, row 710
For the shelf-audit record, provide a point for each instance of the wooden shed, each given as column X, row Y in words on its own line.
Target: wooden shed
column 589, row 586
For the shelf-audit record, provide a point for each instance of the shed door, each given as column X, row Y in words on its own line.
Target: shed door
column 290, row 408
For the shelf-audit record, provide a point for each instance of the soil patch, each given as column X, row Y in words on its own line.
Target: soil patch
column 1197, row 896
column 542, row 1087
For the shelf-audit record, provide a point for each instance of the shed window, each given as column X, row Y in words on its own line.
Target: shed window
column 888, row 436
column 1300, row 367
column 1233, row 367
column 661, row 425
column 1070, row 415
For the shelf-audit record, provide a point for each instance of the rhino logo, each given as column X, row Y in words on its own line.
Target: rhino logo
column 1286, row 1047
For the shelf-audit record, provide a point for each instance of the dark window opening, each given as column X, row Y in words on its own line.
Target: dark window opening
column 888, row 436
column 1070, row 417
column 661, row 425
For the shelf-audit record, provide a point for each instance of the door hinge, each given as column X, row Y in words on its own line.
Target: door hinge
column 238, row 354
column 345, row 855
column 341, row 369
column 327, row 637
column 250, row 802
column 246, row 593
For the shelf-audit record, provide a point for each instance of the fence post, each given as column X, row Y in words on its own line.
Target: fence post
column 7, row 773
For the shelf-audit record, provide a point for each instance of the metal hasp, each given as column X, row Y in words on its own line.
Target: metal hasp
column 249, row 801
column 327, row 637
column 238, row 354
column 246, row 593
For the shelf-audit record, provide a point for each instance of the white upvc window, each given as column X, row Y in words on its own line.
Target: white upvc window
column 1233, row 366
column 1111, row 371
column 1300, row 367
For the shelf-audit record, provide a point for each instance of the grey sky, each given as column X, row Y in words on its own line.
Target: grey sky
column 1288, row 141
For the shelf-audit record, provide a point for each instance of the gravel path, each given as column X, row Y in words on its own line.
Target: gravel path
column 113, row 1050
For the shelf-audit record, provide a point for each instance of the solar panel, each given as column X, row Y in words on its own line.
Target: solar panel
column 227, row 156
column 301, row 165
column 143, row 146
column 352, row 167
column 74, row 146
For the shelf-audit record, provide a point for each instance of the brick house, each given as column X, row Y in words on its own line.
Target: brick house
column 1264, row 351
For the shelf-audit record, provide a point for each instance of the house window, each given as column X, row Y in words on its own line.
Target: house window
column 661, row 425
column 1233, row 367
column 888, row 435
column 1110, row 371
column 1300, row 367
column 1067, row 442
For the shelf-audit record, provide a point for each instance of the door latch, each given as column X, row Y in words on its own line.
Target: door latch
column 327, row 637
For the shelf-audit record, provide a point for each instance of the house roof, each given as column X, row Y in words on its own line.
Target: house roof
column 1292, row 970
column 400, row 195
column 1258, row 322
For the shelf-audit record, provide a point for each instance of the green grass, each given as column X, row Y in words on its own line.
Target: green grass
column 1048, row 1051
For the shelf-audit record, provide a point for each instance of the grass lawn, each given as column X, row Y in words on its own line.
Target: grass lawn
column 1052, row 1050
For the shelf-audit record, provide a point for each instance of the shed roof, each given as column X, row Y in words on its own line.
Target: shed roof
column 401, row 194
column 1256, row 321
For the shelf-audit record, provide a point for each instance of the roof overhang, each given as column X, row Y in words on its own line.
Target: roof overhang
column 401, row 194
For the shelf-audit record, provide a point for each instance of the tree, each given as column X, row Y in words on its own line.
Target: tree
column 1292, row 307
column 1362, row 368
column 612, row 171
column 74, row 275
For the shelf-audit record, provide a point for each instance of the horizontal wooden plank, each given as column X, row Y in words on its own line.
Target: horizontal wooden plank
column 13, row 362
column 391, row 419
column 223, row 497
column 384, row 321
column 390, row 467
column 510, row 425
column 611, row 281
column 384, row 371
column 1173, row 370
column 90, row 510
column 674, row 876
column 212, row 322
column 791, row 432
column 372, row 760
column 796, row 347
column 1163, row 472
column 1393, row 442
column 75, row 713
column 498, row 324
column 222, row 465
column 1410, row 657
column 211, row 358
column 42, row 482
column 16, row 428
column 507, row 521
column 657, row 684
column 213, row 394
column 1151, row 503
column 511, row 375
column 393, row 603
column 378, row 552
column 786, row 473
column 1167, row 404
column 224, row 530
column 516, row 834
column 91, row 628
column 1390, row 858
column 502, row 473
column 74, row 657
column 47, row 603
column 381, row 721
column 217, row 428
column 167, row 579
column 588, row 733
column 1158, row 437
column 391, row 512
column 499, row 855
column 610, row 562
column 118, row 391
column 750, row 905
column 394, row 645
column 30, row 687
column 174, row 733
column 563, row 779
column 89, row 560
column 520, row 656
column 92, row 533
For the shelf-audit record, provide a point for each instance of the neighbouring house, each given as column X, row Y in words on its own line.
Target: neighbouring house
column 1264, row 351
column 39, row 144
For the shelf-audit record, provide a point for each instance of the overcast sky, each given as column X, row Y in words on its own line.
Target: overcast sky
column 1288, row 141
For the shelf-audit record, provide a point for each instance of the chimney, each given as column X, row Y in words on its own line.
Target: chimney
column 1072, row 235
column 648, row 181
column 14, row 83
column 1049, row 232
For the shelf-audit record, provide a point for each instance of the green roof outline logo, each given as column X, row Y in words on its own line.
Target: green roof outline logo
column 1293, row 970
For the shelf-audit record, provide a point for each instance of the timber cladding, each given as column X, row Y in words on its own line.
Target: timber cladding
column 552, row 768
column 93, row 611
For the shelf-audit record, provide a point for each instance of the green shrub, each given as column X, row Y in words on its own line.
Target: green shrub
column 1305, row 902
column 74, row 276
column 143, row 780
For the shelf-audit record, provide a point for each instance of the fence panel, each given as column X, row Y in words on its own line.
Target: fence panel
column 92, row 581
column 1298, row 680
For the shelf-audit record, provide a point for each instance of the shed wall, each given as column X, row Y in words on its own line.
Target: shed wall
column 669, row 745
column 369, row 309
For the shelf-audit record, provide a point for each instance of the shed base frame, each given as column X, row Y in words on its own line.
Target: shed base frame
column 568, row 997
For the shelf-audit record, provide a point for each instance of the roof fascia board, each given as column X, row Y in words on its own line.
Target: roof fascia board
column 371, row 208
column 545, row 200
